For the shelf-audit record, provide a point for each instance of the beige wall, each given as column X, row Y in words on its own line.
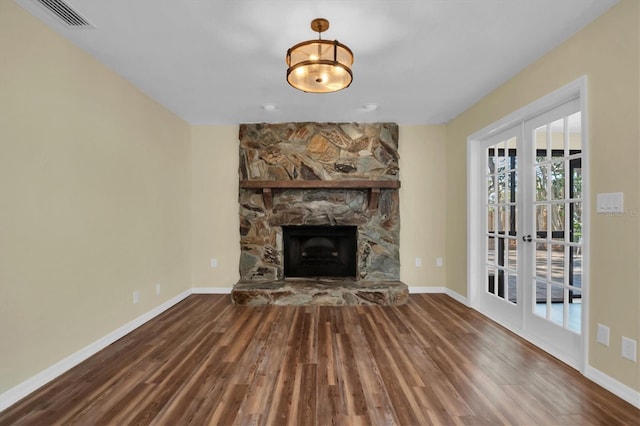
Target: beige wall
column 96, row 191
column 608, row 53
column 94, row 199
column 422, row 207
column 215, row 222
column 103, row 192
column 215, row 210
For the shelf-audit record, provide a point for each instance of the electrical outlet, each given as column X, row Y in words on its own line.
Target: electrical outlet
column 418, row 262
column 439, row 262
column 136, row 296
column 213, row 262
column 157, row 289
column 603, row 335
column 629, row 349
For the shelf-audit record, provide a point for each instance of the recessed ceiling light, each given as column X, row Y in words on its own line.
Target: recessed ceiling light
column 269, row 107
column 370, row 107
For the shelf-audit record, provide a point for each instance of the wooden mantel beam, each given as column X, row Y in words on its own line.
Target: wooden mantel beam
column 373, row 187
column 320, row 184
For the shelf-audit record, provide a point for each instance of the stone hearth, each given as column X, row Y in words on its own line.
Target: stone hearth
column 318, row 291
column 334, row 174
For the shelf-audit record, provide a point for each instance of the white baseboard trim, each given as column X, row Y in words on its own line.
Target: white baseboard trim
column 598, row 377
column 535, row 340
column 612, row 385
column 458, row 297
column 445, row 290
column 417, row 290
column 211, row 290
column 23, row 389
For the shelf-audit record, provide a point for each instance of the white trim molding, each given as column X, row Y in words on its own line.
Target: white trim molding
column 16, row 393
column 460, row 298
column 23, row 389
column 630, row 395
column 425, row 289
column 445, row 290
column 211, row 290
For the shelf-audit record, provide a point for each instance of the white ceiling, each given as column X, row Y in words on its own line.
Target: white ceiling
column 418, row 61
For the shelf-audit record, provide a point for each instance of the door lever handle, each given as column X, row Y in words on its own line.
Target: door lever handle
column 526, row 238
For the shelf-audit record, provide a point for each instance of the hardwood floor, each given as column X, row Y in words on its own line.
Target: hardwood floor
column 433, row 361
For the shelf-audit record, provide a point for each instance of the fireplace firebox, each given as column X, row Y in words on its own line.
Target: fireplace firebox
column 320, row 251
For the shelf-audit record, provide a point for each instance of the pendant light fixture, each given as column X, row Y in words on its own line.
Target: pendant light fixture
column 319, row 66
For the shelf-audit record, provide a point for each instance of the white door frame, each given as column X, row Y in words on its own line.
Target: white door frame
column 475, row 278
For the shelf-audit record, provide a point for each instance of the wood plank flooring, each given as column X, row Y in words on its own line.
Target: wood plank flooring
column 433, row 361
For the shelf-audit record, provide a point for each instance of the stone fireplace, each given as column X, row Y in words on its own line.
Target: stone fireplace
column 319, row 214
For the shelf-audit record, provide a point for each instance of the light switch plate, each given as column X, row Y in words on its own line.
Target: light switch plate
column 610, row 202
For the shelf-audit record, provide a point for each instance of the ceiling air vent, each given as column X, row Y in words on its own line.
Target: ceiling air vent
column 65, row 12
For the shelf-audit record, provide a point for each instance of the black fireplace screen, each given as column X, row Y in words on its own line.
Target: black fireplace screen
column 320, row 251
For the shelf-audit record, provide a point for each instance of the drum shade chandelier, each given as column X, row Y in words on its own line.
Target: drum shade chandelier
column 319, row 66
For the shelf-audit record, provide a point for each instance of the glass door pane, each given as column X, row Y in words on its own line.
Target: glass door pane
column 501, row 261
column 557, row 208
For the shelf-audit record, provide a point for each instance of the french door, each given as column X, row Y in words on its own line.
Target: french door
column 502, row 288
column 528, row 274
column 555, row 250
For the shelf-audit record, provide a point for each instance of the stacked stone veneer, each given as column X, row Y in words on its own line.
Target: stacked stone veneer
column 319, row 151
